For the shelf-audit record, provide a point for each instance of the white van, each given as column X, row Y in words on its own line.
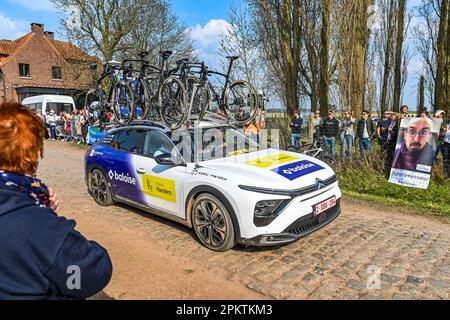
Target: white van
column 47, row 102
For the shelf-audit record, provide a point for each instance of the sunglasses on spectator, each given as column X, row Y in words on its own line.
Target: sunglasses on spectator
column 413, row 132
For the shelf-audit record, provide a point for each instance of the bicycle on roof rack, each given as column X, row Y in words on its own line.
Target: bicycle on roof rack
column 111, row 94
column 170, row 95
column 237, row 99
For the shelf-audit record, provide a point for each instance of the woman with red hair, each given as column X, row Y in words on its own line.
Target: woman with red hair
column 42, row 255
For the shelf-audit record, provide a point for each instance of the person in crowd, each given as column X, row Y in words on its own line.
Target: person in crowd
column 347, row 135
column 382, row 131
column 84, row 125
column 52, row 122
column 329, row 130
column 424, row 114
column 260, row 119
column 296, row 130
column 317, row 123
column 416, row 150
column 404, row 112
column 251, row 130
column 365, row 132
column 68, row 120
column 446, row 149
column 42, row 255
column 78, row 126
column 440, row 114
column 391, row 139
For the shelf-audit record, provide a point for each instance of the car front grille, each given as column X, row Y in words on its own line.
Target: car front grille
column 309, row 223
column 320, row 184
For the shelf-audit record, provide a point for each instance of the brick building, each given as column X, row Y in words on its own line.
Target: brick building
column 38, row 64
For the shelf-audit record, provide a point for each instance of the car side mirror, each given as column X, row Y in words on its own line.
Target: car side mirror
column 166, row 159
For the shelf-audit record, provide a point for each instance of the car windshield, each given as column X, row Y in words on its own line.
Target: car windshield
column 202, row 144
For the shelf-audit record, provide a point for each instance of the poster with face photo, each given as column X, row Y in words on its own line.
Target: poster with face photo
column 415, row 152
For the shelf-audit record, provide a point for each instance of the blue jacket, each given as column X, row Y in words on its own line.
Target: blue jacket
column 38, row 250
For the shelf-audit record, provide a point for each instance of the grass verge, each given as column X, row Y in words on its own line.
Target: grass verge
column 365, row 183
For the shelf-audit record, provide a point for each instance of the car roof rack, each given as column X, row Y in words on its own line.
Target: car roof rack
column 210, row 118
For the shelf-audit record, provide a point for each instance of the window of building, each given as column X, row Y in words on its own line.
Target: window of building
column 24, row 70
column 56, row 73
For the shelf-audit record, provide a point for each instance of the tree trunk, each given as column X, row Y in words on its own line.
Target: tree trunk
column 360, row 51
column 324, row 57
column 446, row 106
column 398, row 55
column 422, row 93
column 439, row 92
column 387, row 56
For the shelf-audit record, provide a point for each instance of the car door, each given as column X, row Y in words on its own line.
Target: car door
column 161, row 185
column 122, row 174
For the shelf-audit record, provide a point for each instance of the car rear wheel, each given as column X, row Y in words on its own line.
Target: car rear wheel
column 99, row 187
column 212, row 223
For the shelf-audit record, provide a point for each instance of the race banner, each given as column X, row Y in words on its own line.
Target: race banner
column 415, row 152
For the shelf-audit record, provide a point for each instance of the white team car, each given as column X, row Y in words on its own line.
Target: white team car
column 246, row 195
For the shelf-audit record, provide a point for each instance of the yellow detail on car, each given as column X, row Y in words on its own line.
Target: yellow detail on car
column 269, row 161
column 159, row 187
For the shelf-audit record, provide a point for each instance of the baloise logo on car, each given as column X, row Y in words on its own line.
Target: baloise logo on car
column 122, row 177
column 295, row 170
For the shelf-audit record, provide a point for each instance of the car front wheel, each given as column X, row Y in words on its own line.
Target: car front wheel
column 212, row 223
column 100, row 190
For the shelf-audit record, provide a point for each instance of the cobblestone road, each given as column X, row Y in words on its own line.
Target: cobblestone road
column 367, row 253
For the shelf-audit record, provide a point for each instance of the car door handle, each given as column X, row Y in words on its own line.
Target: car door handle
column 140, row 171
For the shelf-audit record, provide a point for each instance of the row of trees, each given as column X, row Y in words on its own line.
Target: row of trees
column 348, row 54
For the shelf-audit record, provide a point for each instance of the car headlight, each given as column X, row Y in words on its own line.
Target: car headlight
column 267, row 210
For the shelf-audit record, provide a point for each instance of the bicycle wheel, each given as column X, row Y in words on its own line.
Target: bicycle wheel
column 122, row 102
column 142, row 101
column 241, row 101
column 328, row 160
column 152, row 84
column 201, row 102
column 172, row 102
column 92, row 106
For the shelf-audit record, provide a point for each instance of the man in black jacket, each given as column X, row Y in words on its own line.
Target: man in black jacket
column 365, row 131
column 330, row 129
column 296, row 130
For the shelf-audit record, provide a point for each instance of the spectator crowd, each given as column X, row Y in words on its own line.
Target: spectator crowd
column 68, row 126
column 362, row 133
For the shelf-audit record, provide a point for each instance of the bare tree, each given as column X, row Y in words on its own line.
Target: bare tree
column 425, row 36
column 278, row 27
column 101, row 24
column 324, row 57
column 158, row 29
column 440, row 84
column 241, row 40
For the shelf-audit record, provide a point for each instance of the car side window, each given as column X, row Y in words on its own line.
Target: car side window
column 157, row 143
column 129, row 140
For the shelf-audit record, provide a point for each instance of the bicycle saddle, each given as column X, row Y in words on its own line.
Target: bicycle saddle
column 143, row 54
column 114, row 63
column 182, row 61
column 232, row 57
column 166, row 53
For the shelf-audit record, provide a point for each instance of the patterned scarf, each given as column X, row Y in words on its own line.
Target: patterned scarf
column 36, row 191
